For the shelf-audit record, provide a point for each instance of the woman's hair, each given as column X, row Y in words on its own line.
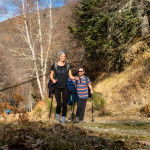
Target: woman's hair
column 82, row 68
column 61, row 52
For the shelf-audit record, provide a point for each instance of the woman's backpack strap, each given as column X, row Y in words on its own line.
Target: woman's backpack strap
column 68, row 66
column 55, row 67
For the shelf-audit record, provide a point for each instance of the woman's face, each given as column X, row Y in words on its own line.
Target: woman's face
column 62, row 57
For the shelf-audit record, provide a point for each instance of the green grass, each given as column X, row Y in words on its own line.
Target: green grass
column 142, row 126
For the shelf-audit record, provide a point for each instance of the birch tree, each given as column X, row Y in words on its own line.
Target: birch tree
column 38, row 44
column 144, row 17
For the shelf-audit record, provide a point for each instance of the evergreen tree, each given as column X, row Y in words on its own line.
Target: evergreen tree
column 107, row 27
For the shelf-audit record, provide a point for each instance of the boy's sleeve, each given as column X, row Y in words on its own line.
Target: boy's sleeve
column 74, row 82
column 88, row 81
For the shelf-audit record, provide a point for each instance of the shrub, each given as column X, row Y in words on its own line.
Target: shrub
column 99, row 101
column 48, row 104
column 145, row 111
column 38, row 112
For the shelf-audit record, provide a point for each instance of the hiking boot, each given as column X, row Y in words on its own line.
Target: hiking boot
column 72, row 117
column 57, row 118
column 64, row 120
column 81, row 121
column 76, row 120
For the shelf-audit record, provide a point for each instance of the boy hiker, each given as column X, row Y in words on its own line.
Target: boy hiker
column 82, row 89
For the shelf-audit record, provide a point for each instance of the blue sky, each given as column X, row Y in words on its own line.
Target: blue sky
column 11, row 9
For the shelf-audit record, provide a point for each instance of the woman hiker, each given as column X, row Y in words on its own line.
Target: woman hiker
column 59, row 75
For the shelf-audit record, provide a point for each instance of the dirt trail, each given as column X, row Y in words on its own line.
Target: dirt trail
column 132, row 127
column 121, row 127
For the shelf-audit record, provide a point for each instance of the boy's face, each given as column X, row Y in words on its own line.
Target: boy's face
column 81, row 71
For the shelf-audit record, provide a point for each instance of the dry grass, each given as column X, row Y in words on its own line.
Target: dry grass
column 128, row 91
column 42, row 108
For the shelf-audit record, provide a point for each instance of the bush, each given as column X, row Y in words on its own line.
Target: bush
column 48, row 104
column 98, row 101
column 145, row 111
column 99, row 104
column 38, row 112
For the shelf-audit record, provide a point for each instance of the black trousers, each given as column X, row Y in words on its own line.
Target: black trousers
column 64, row 97
column 81, row 104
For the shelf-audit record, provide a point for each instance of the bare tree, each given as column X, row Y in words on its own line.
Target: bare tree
column 38, row 42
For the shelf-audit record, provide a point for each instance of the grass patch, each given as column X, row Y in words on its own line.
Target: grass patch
column 99, row 103
column 138, row 126
column 38, row 112
column 48, row 103
column 140, row 130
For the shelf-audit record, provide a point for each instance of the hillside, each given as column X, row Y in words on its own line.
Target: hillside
column 120, row 116
column 127, row 88
column 127, row 93
column 17, row 70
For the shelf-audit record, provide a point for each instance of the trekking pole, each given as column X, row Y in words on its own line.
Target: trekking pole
column 92, row 109
column 74, row 102
column 51, row 102
column 51, row 107
column 72, row 112
column 73, row 107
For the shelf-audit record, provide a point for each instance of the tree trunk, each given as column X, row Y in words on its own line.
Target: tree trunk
column 145, row 25
column 41, row 46
column 48, row 52
column 32, row 51
column 144, row 20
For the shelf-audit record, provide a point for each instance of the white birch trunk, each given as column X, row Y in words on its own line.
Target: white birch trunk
column 41, row 47
column 49, row 51
column 127, row 6
column 144, row 20
column 40, row 34
column 32, row 50
column 145, row 25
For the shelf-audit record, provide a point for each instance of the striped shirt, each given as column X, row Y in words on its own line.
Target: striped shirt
column 82, row 87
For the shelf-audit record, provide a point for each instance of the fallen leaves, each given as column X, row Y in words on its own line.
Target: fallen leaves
column 42, row 136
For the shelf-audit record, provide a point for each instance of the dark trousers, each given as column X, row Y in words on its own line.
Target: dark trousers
column 64, row 100
column 81, row 104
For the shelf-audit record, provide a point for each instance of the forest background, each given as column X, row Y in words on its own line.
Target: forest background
column 109, row 38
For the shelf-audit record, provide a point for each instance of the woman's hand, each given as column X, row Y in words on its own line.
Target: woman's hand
column 54, row 81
